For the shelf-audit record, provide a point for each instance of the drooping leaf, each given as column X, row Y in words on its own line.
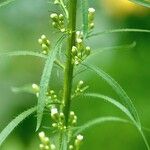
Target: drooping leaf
column 23, row 53
column 145, row 3
column 101, row 120
column 45, row 81
column 118, row 31
column 112, row 101
column 117, row 88
column 5, row 2
column 14, row 123
column 84, row 8
column 98, row 121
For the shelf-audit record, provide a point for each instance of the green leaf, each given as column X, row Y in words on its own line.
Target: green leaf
column 120, row 47
column 118, row 31
column 14, row 123
column 84, row 7
column 5, row 2
column 101, row 120
column 114, row 102
column 117, row 88
column 145, row 3
column 45, row 81
column 97, row 121
column 23, row 53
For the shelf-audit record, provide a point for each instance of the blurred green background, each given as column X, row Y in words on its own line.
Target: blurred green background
column 22, row 22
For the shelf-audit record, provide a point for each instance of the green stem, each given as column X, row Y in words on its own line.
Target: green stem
column 68, row 76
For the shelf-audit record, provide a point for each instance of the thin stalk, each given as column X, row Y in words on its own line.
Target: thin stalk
column 68, row 76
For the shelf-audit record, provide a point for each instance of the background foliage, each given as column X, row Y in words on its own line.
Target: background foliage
column 22, row 23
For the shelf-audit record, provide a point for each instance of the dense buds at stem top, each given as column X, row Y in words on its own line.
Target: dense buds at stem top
column 91, row 15
column 45, row 44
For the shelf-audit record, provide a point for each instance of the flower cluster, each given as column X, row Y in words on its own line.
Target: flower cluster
column 58, row 119
column 80, row 88
column 45, row 44
column 58, row 21
column 91, row 15
column 45, row 142
column 77, row 143
column 80, row 51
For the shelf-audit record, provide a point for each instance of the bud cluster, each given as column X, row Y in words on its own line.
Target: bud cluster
column 80, row 51
column 58, row 21
column 91, row 15
column 45, row 44
column 35, row 89
column 45, row 142
column 51, row 98
column 80, row 88
column 77, row 143
column 58, row 118
column 72, row 118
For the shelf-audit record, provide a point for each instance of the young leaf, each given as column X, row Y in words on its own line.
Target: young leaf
column 5, row 2
column 97, row 121
column 117, row 88
column 84, row 7
column 45, row 81
column 118, row 31
column 14, row 123
column 23, row 53
column 145, row 3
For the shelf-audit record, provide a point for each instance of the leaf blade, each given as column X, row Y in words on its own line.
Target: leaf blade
column 99, row 120
column 45, row 82
column 14, row 123
column 23, row 53
column 145, row 3
column 119, row 31
column 117, row 88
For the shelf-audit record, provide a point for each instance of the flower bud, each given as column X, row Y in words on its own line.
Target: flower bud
column 54, row 17
column 35, row 87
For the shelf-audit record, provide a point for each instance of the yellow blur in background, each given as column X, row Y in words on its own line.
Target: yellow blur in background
column 123, row 8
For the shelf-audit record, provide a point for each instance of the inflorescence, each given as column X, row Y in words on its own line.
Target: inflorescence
column 80, row 51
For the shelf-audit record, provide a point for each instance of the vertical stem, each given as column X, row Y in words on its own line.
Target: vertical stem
column 72, row 6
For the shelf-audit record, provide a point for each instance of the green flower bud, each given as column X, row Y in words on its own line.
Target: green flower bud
column 44, row 47
column 40, row 41
column 87, row 50
column 71, row 147
column 54, row 17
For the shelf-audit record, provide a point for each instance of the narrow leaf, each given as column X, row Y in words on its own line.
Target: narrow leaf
column 45, row 81
column 97, row 121
column 145, row 3
column 25, row 89
column 120, row 47
column 6, row 2
column 14, row 123
column 101, row 120
column 23, row 53
column 112, row 101
column 84, row 7
column 118, row 31
column 117, row 88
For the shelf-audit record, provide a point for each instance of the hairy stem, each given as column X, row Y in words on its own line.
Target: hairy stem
column 69, row 66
